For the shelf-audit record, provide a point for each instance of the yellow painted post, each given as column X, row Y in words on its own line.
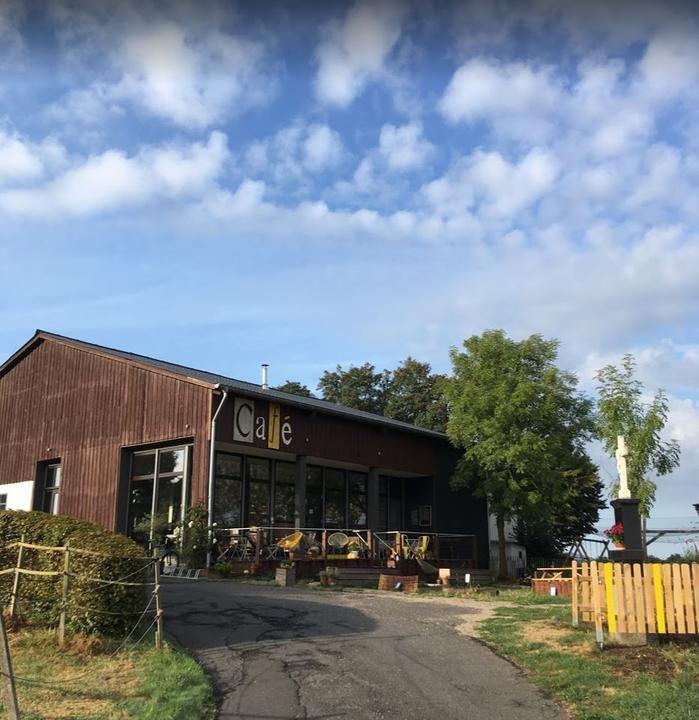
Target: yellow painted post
column 574, row 591
column 694, row 571
column 609, row 592
column 659, row 599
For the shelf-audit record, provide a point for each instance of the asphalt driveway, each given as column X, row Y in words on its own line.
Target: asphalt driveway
column 277, row 653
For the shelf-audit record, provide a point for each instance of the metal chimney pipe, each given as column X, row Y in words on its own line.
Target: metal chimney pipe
column 265, row 378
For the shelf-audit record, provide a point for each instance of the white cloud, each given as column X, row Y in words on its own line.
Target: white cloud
column 322, row 148
column 404, row 147
column 112, row 180
column 489, row 182
column 483, row 89
column 22, row 160
column 189, row 76
column 295, row 152
column 354, row 51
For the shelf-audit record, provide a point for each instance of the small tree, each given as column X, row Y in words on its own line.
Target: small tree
column 622, row 411
column 294, row 388
column 517, row 417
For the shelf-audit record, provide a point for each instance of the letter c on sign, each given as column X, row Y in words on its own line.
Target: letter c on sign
column 243, row 421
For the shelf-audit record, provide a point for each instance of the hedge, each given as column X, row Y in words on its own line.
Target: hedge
column 92, row 607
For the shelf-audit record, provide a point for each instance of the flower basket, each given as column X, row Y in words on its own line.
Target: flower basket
column 616, row 534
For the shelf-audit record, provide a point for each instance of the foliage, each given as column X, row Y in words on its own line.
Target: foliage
column 622, row 411
column 294, row 388
column 615, row 533
column 138, row 682
column 518, row 419
column 415, row 395
column 224, row 569
column 572, row 512
column 411, row 393
column 360, row 387
column 615, row 684
column 94, row 607
column 196, row 541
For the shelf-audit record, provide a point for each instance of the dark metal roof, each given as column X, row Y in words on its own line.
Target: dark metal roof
column 246, row 388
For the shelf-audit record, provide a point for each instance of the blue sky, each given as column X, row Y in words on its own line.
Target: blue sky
column 303, row 185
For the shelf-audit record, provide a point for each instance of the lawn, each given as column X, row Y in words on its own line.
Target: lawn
column 617, row 683
column 88, row 682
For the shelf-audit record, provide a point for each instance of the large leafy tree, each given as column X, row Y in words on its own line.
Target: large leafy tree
column 517, row 417
column 621, row 410
column 359, row 387
column 295, row 388
column 571, row 513
column 416, row 395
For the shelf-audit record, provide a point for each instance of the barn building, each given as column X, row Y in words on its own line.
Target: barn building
column 113, row 437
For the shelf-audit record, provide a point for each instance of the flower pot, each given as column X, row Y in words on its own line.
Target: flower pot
column 619, row 545
column 324, row 580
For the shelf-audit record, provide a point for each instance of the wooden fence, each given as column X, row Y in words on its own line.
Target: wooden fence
column 631, row 601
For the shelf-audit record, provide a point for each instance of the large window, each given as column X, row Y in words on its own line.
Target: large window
column 284, row 494
column 158, row 488
column 335, row 498
column 314, row 497
column 357, row 486
column 258, row 492
column 228, row 490
column 52, row 489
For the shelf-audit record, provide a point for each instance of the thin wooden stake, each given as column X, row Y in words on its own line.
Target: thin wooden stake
column 64, row 596
column 8, row 678
column 15, row 584
column 158, row 609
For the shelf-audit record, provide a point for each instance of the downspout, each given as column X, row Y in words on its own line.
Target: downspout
column 212, row 472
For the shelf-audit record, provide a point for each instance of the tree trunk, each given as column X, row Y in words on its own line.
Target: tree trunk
column 502, row 548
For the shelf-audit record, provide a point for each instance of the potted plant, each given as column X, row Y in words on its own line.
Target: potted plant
column 328, row 576
column 353, row 548
column 616, row 534
column 285, row 574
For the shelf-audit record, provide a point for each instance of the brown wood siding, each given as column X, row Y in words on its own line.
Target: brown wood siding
column 344, row 440
column 81, row 407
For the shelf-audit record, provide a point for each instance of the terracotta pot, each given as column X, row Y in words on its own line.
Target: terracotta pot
column 619, row 545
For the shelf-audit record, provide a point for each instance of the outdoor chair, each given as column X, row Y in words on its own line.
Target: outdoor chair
column 288, row 544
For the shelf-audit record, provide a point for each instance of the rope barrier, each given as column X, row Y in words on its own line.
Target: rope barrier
column 51, row 683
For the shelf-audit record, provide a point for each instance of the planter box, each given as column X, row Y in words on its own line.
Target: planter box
column 389, row 582
column 285, row 577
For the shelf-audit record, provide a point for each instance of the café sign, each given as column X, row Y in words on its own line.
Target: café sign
column 266, row 425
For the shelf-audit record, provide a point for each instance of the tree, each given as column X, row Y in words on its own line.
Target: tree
column 622, row 411
column 359, row 387
column 415, row 395
column 571, row 514
column 294, row 388
column 517, row 418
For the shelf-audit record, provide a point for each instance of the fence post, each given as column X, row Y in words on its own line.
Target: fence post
column 8, row 678
column 15, row 584
column 64, row 596
column 596, row 604
column 158, row 609
column 574, row 591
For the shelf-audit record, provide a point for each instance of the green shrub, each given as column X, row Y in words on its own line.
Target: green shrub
column 92, row 606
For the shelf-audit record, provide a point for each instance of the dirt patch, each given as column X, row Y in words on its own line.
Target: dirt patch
column 555, row 637
column 651, row 660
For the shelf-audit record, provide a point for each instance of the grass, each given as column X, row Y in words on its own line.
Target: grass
column 617, row 683
column 88, row 683
column 518, row 595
